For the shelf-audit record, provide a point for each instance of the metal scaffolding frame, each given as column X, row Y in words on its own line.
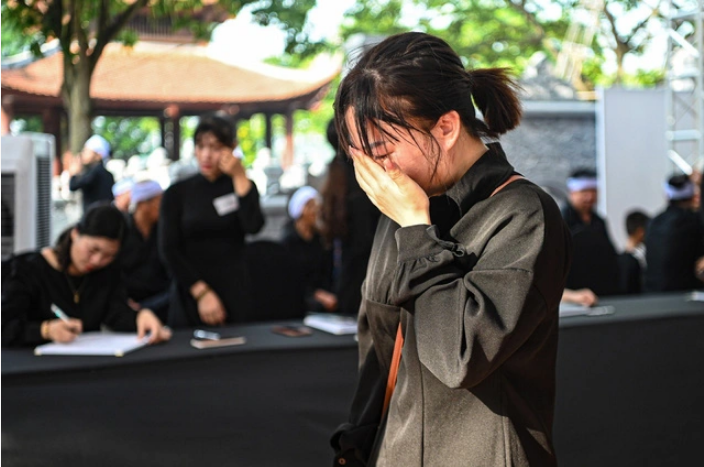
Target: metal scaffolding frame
column 685, row 83
column 577, row 42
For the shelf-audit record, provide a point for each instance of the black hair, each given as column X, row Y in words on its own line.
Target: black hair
column 636, row 220
column 583, row 173
column 410, row 80
column 100, row 220
column 679, row 181
column 334, row 192
column 331, row 134
column 221, row 127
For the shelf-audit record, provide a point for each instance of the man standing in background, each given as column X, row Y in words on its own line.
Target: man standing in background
column 594, row 259
column 675, row 241
column 88, row 172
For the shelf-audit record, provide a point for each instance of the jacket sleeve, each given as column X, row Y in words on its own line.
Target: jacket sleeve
column 87, row 178
column 250, row 212
column 19, row 299
column 471, row 310
column 170, row 240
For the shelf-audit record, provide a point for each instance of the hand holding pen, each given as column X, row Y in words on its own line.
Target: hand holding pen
column 64, row 329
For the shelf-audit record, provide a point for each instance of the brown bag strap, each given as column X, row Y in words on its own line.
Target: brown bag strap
column 511, row 179
column 393, row 371
column 398, row 345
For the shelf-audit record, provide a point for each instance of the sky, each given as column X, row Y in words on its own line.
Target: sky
column 241, row 40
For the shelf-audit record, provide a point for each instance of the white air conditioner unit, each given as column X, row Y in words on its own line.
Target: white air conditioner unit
column 26, row 191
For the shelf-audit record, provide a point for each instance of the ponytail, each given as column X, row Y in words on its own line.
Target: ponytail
column 495, row 95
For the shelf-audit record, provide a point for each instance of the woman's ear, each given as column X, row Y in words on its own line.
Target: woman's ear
column 447, row 130
column 74, row 234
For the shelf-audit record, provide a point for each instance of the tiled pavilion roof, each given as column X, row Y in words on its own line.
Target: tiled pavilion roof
column 150, row 76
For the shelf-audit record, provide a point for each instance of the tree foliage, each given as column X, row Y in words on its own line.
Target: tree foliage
column 128, row 136
column 85, row 27
column 509, row 32
column 483, row 32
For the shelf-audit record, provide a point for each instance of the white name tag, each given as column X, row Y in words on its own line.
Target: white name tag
column 226, row 204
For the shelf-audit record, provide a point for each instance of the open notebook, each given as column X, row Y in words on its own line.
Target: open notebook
column 95, row 343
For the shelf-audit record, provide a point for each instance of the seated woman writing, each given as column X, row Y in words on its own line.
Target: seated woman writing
column 79, row 276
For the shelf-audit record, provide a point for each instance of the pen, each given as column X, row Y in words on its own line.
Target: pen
column 59, row 313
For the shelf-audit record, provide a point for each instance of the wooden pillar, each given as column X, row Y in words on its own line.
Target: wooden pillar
column 162, row 130
column 7, row 115
column 268, row 131
column 51, row 120
column 177, row 137
column 172, row 132
column 287, row 160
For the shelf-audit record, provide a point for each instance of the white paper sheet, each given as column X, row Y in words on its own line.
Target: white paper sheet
column 95, row 343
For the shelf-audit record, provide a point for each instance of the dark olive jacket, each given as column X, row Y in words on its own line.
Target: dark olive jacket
column 477, row 295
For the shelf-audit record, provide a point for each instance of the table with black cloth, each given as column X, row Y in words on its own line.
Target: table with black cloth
column 629, row 388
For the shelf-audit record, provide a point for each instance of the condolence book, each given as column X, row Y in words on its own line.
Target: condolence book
column 95, row 343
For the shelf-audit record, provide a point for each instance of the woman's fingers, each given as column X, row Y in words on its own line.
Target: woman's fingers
column 163, row 335
column 367, row 180
column 75, row 325
column 65, row 332
column 391, row 190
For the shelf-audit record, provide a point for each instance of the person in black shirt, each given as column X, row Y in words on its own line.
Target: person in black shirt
column 122, row 192
column 305, row 245
column 203, row 224
column 631, row 262
column 594, row 260
column 675, row 241
column 89, row 174
column 143, row 272
column 80, row 277
column 349, row 222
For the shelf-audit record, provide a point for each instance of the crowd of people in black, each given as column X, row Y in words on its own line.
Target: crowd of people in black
column 141, row 258
column 662, row 254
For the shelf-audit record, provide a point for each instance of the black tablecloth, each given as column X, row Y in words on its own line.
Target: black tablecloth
column 628, row 394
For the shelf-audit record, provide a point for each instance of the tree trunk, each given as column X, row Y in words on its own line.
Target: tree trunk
column 76, row 97
column 621, row 51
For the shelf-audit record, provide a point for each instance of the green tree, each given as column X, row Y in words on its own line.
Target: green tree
column 128, row 136
column 509, row 32
column 621, row 26
column 483, row 32
column 85, row 27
